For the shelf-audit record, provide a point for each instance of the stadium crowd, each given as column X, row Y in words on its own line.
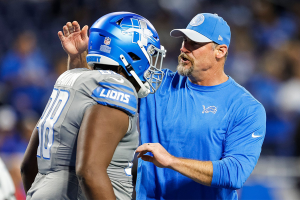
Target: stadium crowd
column 264, row 58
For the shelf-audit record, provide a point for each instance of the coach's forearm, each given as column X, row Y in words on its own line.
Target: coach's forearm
column 199, row 171
column 78, row 61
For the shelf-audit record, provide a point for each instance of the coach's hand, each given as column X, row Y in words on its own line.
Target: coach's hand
column 74, row 41
column 161, row 158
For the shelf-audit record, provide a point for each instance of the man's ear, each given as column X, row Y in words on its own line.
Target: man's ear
column 221, row 51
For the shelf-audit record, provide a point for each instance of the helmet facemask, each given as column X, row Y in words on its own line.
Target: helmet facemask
column 154, row 75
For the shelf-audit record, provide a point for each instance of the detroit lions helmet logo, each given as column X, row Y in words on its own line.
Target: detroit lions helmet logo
column 212, row 109
column 139, row 31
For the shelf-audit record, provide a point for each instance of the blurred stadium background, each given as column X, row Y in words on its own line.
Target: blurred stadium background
column 264, row 57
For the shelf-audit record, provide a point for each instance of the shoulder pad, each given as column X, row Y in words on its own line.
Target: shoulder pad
column 116, row 91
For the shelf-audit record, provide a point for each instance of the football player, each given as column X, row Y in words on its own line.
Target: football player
column 84, row 142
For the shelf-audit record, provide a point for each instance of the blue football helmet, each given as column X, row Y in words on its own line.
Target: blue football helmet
column 131, row 41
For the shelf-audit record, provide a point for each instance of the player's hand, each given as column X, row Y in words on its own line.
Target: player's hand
column 161, row 157
column 73, row 40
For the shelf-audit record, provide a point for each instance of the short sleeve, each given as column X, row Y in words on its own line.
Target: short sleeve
column 116, row 91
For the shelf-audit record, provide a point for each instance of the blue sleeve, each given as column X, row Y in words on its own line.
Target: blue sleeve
column 116, row 95
column 242, row 148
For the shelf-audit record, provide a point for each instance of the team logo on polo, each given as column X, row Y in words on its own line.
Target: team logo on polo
column 212, row 109
column 139, row 31
column 197, row 20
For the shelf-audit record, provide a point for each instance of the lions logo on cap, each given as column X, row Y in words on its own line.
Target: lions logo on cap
column 197, row 20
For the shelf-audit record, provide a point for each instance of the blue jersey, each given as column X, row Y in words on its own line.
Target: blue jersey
column 224, row 124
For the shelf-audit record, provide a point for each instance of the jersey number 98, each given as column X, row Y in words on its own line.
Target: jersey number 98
column 52, row 112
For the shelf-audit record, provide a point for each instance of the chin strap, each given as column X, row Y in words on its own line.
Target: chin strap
column 145, row 87
column 144, row 91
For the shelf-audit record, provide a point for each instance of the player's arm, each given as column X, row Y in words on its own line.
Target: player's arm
column 199, row 171
column 29, row 168
column 101, row 130
column 75, row 43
